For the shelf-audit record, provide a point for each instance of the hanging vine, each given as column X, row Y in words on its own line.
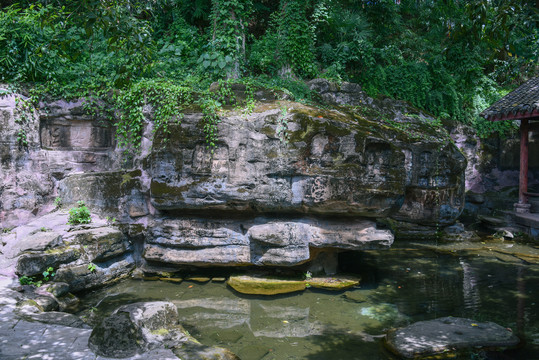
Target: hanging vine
column 167, row 99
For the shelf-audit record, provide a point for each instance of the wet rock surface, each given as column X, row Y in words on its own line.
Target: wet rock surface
column 263, row 285
column 448, row 334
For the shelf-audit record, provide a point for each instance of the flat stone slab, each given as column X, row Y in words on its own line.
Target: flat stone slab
column 39, row 241
column 333, row 283
column 264, row 286
column 448, row 334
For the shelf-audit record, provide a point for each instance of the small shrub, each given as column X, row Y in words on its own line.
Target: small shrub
column 92, row 267
column 58, row 202
column 79, row 214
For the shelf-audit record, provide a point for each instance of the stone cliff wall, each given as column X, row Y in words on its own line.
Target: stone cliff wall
column 283, row 184
column 60, row 140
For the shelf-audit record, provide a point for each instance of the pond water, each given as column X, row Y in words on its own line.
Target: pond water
column 489, row 281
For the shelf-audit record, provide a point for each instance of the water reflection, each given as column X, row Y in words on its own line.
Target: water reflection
column 402, row 286
column 470, row 291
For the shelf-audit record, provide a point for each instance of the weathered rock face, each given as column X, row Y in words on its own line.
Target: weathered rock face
column 283, row 184
column 69, row 250
column 259, row 241
column 324, row 162
column 115, row 193
column 37, row 149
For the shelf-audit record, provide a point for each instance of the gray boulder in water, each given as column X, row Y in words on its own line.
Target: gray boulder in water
column 448, row 334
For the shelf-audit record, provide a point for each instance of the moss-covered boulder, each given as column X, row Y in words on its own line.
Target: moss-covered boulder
column 264, row 286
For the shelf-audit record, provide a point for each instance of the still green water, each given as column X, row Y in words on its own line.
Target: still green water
column 495, row 281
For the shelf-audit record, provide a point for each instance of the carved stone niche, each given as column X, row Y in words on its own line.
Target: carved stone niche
column 61, row 134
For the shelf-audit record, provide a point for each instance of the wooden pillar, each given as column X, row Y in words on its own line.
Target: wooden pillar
column 523, row 180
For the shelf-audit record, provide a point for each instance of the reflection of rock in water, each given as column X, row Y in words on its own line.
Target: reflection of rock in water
column 221, row 313
column 282, row 321
column 470, row 291
column 263, row 320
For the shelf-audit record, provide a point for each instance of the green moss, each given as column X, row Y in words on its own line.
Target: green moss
column 163, row 189
column 61, row 250
column 125, row 179
column 160, row 332
column 268, row 131
column 272, row 154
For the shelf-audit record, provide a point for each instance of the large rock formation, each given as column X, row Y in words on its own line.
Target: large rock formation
column 283, row 184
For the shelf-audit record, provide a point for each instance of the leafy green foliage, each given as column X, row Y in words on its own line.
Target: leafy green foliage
column 23, row 111
column 228, row 40
column 451, row 58
column 32, row 280
column 48, row 274
column 92, row 267
column 167, row 99
column 27, row 39
column 79, row 214
column 288, row 45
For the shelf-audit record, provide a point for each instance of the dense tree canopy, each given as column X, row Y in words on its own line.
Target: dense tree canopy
column 451, row 58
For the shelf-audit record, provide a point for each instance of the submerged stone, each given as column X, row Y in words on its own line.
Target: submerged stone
column 381, row 312
column 446, row 335
column 195, row 351
column 264, row 286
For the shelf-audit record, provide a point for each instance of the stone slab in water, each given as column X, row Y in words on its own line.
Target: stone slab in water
column 446, row 335
column 333, row 283
column 264, row 286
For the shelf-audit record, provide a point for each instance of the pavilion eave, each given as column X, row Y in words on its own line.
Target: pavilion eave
column 533, row 115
